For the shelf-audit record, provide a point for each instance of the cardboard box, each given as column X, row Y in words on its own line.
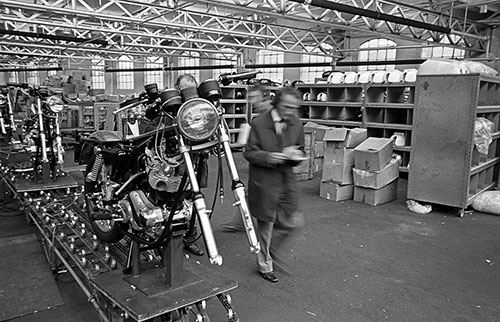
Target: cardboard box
column 376, row 179
column 308, row 141
column 318, row 164
column 373, row 154
column 342, row 155
column 336, row 192
column 376, row 197
column 317, row 129
column 337, row 172
column 318, row 149
column 344, row 138
column 303, row 167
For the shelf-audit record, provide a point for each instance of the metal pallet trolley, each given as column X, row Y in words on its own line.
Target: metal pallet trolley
column 98, row 268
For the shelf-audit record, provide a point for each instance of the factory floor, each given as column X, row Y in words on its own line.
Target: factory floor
column 351, row 263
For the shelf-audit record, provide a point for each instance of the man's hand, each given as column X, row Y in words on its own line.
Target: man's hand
column 276, row 158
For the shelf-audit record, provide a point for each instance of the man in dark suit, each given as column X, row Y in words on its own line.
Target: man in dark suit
column 275, row 145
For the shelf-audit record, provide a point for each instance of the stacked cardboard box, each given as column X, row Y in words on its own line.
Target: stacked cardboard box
column 336, row 179
column 304, row 170
column 375, row 172
column 318, row 132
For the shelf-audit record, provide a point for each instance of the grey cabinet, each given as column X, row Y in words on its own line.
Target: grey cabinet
column 445, row 165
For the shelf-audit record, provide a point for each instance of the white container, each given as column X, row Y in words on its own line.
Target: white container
column 365, row 77
column 410, row 75
column 351, row 78
column 379, row 76
column 395, row 76
column 336, row 78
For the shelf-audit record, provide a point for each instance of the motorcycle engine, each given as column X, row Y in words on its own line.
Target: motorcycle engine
column 147, row 217
column 143, row 210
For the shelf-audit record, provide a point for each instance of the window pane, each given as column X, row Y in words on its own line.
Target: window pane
column 270, row 57
column 228, row 58
column 154, row 76
column 377, row 54
column 33, row 77
column 310, row 73
column 444, row 51
column 125, row 79
column 97, row 73
column 190, row 61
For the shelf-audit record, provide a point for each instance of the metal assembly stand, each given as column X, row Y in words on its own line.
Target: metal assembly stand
column 161, row 285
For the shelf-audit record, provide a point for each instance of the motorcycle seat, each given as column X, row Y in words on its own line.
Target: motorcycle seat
column 106, row 136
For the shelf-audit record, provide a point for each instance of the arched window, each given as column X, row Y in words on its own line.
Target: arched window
column 125, row 80
column 97, row 73
column 270, row 57
column 381, row 52
column 154, row 76
column 229, row 57
column 193, row 60
column 444, row 51
column 310, row 73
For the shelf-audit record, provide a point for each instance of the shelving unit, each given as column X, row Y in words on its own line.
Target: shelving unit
column 446, row 167
column 237, row 109
column 383, row 109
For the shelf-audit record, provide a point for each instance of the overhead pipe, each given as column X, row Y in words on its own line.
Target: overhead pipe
column 32, row 69
column 166, row 68
column 284, row 65
column 373, row 14
column 53, row 37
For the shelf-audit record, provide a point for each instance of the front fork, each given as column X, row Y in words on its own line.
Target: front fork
column 239, row 191
column 201, row 207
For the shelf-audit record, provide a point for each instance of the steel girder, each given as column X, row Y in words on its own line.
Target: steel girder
column 201, row 27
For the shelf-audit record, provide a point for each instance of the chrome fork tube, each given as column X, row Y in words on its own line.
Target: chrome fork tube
column 239, row 192
column 58, row 141
column 201, row 207
column 42, row 131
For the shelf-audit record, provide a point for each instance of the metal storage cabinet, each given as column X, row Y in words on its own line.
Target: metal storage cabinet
column 445, row 166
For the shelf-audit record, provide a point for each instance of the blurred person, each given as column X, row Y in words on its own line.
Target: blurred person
column 258, row 104
column 275, row 145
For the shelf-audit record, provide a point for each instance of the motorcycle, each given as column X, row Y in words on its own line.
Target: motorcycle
column 42, row 133
column 147, row 187
column 7, row 123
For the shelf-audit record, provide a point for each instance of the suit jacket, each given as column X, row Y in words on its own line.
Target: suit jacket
column 271, row 187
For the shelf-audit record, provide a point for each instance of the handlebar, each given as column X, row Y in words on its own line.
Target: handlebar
column 228, row 78
column 129, row 104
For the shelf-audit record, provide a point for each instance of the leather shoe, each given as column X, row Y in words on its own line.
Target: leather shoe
column 269, row 277
column 194, row 249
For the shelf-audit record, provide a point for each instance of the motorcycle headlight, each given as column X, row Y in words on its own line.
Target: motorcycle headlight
column 55, row 103
column 197, row 119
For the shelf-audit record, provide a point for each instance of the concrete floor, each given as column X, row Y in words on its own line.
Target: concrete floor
column 351, row 263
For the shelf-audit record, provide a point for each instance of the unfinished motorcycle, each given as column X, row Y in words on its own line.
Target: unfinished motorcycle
column 147, row 186
column 42, row 134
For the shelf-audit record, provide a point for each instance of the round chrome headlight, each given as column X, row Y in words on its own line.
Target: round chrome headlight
column 197, row 119
column 55, row 103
